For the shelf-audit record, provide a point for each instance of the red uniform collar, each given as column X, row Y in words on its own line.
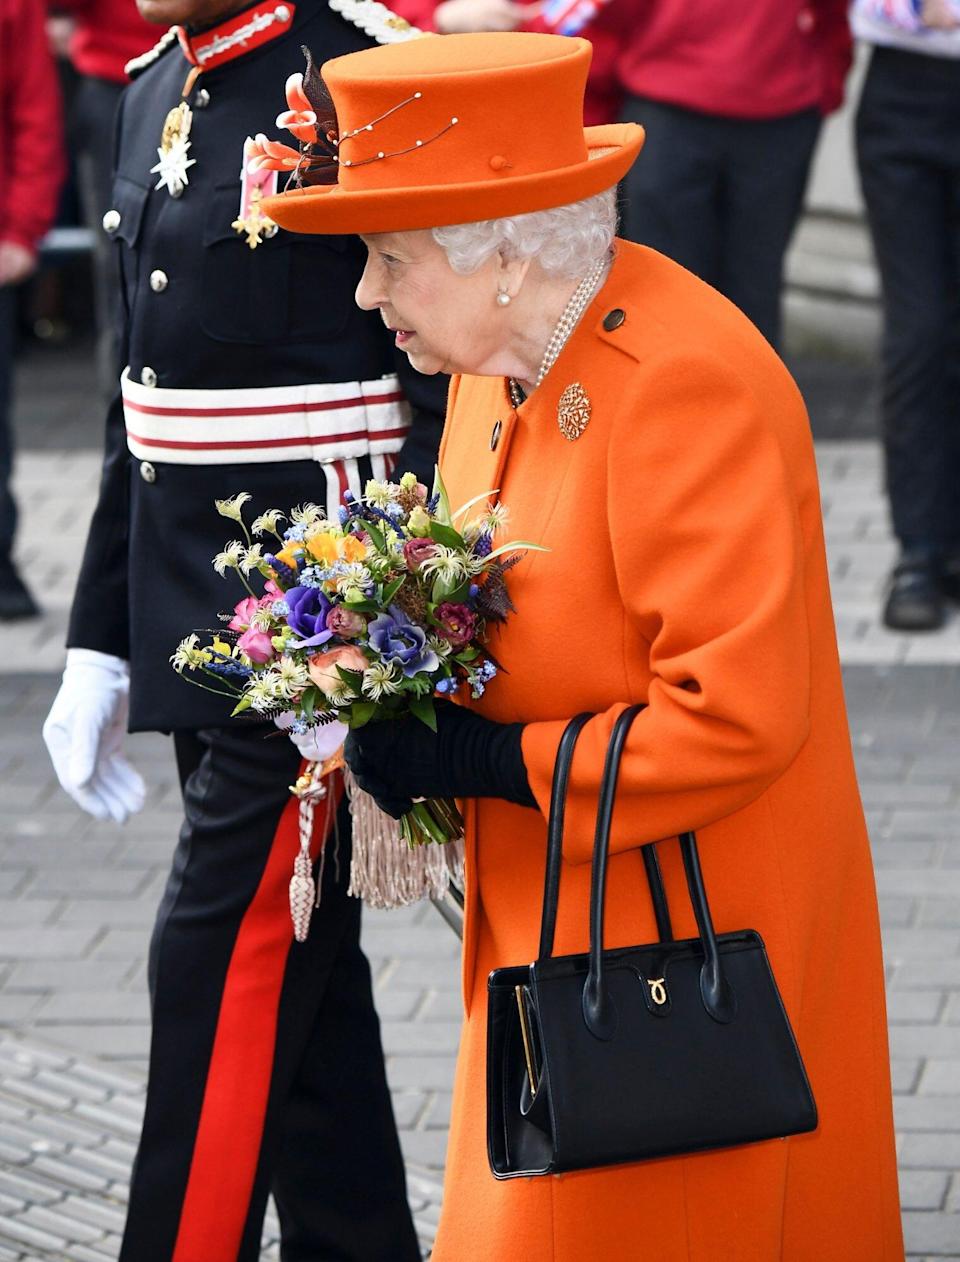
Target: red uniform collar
column 238, row 35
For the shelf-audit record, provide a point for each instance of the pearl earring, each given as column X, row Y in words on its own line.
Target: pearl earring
column 503, row 299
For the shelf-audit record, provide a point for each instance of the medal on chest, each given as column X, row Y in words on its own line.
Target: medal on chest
column 174, row 148
column 255, row 185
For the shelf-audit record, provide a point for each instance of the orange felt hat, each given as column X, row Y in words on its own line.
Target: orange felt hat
column 456, row 128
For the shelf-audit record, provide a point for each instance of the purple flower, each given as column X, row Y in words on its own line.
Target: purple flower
column 308, row 609
column 401, row 642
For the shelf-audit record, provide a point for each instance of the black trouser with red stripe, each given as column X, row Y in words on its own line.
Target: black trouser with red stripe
column 266, row 1069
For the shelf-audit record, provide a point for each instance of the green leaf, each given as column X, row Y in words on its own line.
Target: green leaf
column 361, row 606
column 464, row 508
column 392, row 588
column 308, row 703
column 442, row 512
column 446, row 535
column 521, row 546
column 461, row 593
column 352, row 678
column 361, row 712
column 376, row 534
column 423, row 709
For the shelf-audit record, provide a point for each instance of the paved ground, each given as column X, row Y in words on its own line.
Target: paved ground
column 76, row 897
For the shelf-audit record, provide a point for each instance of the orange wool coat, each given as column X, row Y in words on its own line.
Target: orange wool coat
column 687, row 569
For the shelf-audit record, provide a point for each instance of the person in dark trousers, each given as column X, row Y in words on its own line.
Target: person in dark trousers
column 732, row 97
column 106, row 35
column 248, row 369
column 31, row 124
column 908, row 150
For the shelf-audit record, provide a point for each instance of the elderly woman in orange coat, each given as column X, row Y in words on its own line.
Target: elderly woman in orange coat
column 640, row 429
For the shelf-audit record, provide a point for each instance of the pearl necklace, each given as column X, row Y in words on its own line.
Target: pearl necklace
column 579, row 301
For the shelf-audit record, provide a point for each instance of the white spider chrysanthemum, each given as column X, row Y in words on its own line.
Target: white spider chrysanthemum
column 341, row 697
column 232, row 507
column 448, row 565
column 187, row 655
column 379, row 494
column 263, row 691
column 229, row 558
column 252, row 558
column 440, row 646
column 268, row 521
column 307, row 514
column 262, row 620
column 496, row 517
column 379, row 680
column 292, row 677
column 353, row 577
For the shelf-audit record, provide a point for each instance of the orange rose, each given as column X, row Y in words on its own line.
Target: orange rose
column 323, row 667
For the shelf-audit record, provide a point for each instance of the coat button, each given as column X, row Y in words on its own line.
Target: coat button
column 202, row 99
column 158, row 281
column 148, row 377
column 111, row 221
column 613, row 319
column 495, row 435
column 147, row 471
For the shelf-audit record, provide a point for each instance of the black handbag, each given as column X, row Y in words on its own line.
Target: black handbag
column 640, row 1051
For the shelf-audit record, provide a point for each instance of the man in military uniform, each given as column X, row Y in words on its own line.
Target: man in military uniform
column 249, row 369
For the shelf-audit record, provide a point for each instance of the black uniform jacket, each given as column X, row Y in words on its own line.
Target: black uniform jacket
column 227, row 317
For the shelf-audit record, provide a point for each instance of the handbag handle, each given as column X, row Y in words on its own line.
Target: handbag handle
column 558, row 804
column 599, row 1012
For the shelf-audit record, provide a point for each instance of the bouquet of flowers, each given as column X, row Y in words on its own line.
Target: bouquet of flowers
column 363, row 619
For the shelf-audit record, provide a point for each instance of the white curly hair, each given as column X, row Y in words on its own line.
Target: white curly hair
column 565, row 240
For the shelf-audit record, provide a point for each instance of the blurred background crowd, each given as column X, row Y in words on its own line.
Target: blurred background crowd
column 734, row 98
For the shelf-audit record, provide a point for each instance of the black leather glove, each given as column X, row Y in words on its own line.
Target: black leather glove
column 467, row 757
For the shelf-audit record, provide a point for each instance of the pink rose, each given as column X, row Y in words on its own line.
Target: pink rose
column 345, row 623
column 256, row 644
column 457, row 623
column 323, row 667
column 416, row 551
column 243, row 612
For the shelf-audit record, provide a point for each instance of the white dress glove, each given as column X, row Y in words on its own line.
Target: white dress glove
column 84, row 734
column 319, row 743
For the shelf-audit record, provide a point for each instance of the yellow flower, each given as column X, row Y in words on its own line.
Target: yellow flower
column 323, row 547
column 353, row 549
column 290, row 554
column 418, row 523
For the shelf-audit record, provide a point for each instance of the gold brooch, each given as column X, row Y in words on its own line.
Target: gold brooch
column 573, row 411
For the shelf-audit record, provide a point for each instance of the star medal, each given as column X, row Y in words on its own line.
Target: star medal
column 251, row 222
column 174, row 144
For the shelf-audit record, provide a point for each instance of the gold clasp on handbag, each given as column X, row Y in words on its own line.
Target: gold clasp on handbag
column 527, row 1041
column 658, row 989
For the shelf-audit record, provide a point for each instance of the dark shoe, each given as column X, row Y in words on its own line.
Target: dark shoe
column 915, row 600
column 15, row 601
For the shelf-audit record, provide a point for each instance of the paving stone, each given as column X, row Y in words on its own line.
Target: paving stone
column 54, row 1221
column 940, row 1077
column 930, row 1151
column 907, row 1007
column 923, row 1189
column 926, row 1113
column 27, row 944
column 934, row 1233
column 17, row 1230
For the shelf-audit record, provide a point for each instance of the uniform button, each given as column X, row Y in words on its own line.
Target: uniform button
column 148, row 377
column 495, row 435
column 613, row 319
column 281, row 13
column 111, row 221
column 147, row 471
column 202, row 99
column 158, row 281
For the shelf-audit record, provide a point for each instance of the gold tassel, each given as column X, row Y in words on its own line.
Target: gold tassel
column 384, row 871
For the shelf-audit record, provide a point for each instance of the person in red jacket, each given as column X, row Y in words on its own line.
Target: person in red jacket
column 31, row 125
column 106, row 35
column 607, row 24
column 732, row 97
